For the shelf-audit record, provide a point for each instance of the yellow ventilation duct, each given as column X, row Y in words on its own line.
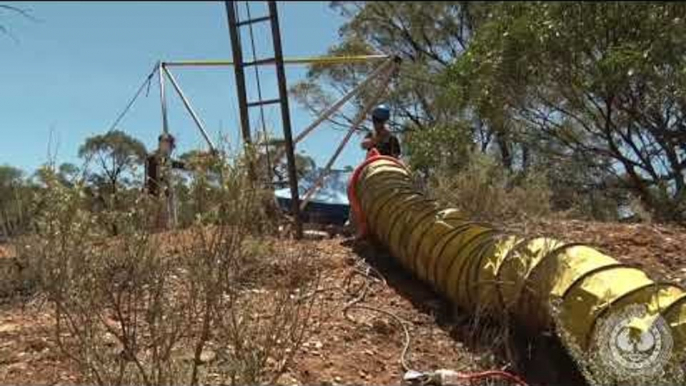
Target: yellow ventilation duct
column 592, row 300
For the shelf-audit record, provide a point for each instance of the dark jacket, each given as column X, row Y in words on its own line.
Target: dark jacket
column 388, row 145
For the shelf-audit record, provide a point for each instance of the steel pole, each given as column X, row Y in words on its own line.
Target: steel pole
column 189, row 108
column 337, row 105
column 332, row 60
column 286, row 117
column 237, row 52
column 163, row 102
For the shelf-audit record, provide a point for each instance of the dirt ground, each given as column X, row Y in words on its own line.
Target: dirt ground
column 366, row 348
column 657, row 249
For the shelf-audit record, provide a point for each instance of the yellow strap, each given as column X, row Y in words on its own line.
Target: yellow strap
column 310, row 60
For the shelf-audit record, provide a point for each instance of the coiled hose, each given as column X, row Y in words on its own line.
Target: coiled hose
column 542, row 282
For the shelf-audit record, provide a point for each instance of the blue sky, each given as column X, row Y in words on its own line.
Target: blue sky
column 72, row 72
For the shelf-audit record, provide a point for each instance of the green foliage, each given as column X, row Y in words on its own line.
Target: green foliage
column 67, row 173
column 211, row 179
column 440, row 147
column 9, row 176
column 427, row 35
column 271, row 159
column 601, row 80
column 115, row 153
column 578, row 193
column 15, row 196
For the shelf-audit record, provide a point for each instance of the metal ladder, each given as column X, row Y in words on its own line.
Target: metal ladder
column 243, row 105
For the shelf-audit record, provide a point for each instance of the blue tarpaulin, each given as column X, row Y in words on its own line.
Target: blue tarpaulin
column 329, row 205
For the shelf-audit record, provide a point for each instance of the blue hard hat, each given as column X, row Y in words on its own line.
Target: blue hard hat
column 381, row 113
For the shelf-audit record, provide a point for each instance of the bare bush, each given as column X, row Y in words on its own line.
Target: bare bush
column 485, row 191
column 154, row 309
column 264, row 329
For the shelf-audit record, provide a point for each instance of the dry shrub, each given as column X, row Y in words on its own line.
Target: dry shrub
column 258, row 340
column 639, row 211
column 154, row 309
column 485, row 191
column 16, row 281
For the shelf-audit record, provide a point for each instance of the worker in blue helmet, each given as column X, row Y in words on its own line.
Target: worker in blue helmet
column 385, row 142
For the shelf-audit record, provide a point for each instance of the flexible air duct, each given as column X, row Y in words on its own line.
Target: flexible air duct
column 543, row 283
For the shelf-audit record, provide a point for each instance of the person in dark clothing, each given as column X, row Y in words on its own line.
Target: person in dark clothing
column 155, row 177
column 385, row 142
